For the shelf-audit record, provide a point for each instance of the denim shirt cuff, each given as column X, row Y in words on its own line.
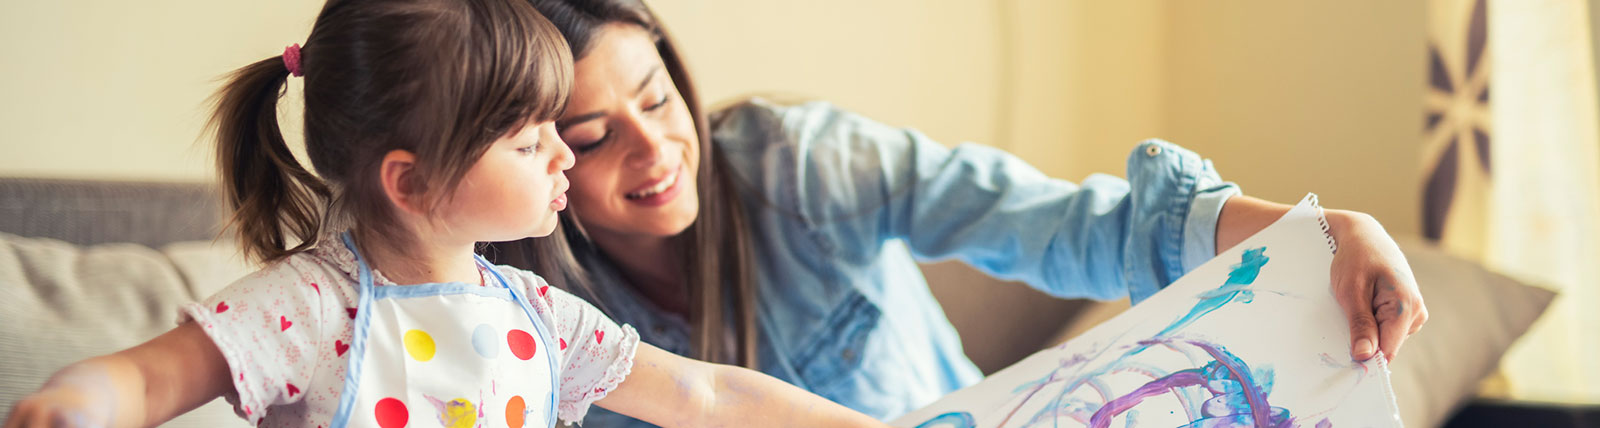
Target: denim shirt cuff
column 1176, row 228
column 1200, row 229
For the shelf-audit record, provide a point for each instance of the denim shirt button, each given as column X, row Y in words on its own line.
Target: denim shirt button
column 848, row 354
column 658, row 330
column 1152, row 150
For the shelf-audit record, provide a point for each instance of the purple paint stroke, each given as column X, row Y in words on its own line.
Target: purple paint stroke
column 1102, row 418
column 1259, row 409
column 1235, row 288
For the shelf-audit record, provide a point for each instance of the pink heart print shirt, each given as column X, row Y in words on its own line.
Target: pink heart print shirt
column 286, row 331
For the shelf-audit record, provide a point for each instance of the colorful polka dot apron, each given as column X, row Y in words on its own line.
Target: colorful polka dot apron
column 449, row 355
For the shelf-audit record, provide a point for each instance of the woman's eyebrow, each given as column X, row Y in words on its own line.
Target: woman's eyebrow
column 648, row 76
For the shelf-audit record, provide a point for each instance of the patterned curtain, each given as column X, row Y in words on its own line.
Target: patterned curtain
column 1514, row 180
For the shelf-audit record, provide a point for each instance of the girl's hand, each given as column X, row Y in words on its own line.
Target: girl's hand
column 116, row 390
column 1374, row 284
column 71, row 399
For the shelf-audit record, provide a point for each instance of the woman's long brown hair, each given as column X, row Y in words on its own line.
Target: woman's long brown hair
column 717, row 249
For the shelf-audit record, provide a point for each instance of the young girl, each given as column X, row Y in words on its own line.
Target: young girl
column 429, row 125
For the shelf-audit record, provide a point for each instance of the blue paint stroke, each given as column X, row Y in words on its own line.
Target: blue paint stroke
column 1244, row 273
column 950, row 420
column 1221, row 391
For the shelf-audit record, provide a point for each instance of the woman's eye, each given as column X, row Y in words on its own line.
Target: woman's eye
column 658, row 104
column 588, row 147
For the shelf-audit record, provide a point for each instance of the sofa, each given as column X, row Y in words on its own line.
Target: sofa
column 91, row 267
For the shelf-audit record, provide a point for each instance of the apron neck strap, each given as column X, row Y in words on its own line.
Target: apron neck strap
column 361, row 262
column 366, row 270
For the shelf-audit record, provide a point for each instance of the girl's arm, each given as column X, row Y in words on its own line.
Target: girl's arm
column 673, row 391
column 137, row 387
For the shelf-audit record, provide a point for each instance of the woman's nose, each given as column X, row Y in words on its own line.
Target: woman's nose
column 649, row 147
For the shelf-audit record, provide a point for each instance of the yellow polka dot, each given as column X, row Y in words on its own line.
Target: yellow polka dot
column 419, row 344
column 458, row 413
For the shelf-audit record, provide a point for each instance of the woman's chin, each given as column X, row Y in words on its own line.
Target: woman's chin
column 671, row 228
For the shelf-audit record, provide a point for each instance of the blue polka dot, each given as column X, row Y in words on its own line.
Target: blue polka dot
column 485, row 341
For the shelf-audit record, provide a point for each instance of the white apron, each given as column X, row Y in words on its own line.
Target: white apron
column 448, row 355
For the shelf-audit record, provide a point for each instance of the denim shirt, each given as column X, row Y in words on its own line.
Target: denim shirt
column 842, row 208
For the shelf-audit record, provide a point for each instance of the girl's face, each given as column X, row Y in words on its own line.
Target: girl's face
column 636, row 144
column 515, row 189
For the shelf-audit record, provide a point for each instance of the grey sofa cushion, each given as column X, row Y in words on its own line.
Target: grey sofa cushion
column 61, row 303
column 96, row 212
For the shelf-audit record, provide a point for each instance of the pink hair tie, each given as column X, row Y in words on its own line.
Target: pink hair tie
column 291, row 59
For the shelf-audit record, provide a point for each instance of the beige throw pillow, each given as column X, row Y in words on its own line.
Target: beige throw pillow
column 61, row 303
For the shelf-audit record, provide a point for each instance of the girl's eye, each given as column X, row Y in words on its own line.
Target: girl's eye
column 658, row 104
column 528, row 150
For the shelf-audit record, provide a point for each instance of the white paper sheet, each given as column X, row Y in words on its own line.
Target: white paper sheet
column 1253, row 335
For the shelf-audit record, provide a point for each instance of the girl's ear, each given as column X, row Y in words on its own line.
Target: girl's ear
column 398, row 175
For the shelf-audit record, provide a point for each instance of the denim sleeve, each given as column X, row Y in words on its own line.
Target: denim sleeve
column 1103, row 238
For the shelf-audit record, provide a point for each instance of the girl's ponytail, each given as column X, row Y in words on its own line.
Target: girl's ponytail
column 441, row 79
column 275, row 202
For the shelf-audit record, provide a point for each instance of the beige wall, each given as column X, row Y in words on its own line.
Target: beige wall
column 111, row 89
column 1291, row 97
column 898, row 61
column 1286, row 97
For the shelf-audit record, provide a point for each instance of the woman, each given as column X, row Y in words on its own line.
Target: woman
column 782, row 238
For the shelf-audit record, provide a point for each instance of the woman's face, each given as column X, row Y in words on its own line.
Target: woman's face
column 636, row 145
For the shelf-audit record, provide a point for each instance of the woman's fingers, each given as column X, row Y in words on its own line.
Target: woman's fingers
column 1398, row 307
column 1394, row 322
column 1353, row 293
column 1374, row 285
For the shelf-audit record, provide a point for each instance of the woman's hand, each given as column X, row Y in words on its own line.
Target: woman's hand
column 1371, row 279
column 1374, row 284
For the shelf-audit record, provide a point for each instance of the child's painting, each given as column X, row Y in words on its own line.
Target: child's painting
column 1253, row 338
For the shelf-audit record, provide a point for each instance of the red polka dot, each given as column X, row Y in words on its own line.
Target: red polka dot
column 522, row 344
column 391, row 413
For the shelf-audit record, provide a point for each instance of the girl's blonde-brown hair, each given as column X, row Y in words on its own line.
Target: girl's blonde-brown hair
column 442, row 79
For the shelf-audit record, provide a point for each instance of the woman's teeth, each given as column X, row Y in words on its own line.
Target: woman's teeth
column 659, row 187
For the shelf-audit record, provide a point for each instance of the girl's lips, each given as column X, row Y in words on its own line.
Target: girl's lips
column 560, row 203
